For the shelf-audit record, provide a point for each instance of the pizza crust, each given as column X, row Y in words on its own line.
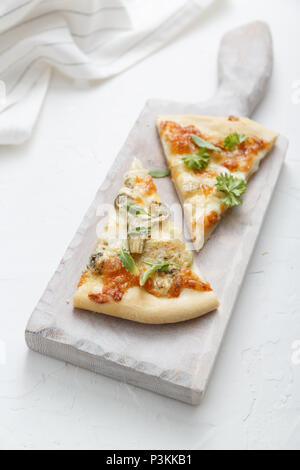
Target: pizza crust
column 140, row 306
column 221, row 127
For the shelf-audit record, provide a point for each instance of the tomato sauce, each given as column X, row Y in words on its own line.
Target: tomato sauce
column 206, row 190
column 145, row 185
column 179, row 137
column 83, row 278
column 210, row 220
column 243, row 156
column 186, row 279
column 240, row 159
column 117, row 280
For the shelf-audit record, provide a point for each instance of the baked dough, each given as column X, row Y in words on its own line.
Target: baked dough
column 139, row 306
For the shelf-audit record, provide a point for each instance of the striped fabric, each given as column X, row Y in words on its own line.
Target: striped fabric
column 83, row 39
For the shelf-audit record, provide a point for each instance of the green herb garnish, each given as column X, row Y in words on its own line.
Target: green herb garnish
column 232, row 140
column 197, row 161
column 128, row 261
column 204, row 144
column 136, row 209
column 232, row 188
column 200, row 160
column 159, row 173
column 153, row 269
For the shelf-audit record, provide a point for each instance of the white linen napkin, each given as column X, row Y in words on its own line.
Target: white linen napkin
column 83, row 39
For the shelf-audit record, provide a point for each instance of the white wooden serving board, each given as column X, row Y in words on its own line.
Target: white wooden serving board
column 173, row 360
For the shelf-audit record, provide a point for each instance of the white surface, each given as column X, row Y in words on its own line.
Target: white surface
column 46, row 185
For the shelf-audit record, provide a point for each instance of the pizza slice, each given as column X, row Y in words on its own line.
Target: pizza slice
column 141, row 270
column 211, row 159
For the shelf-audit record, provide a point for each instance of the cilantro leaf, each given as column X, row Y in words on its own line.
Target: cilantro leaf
column 159, row 173
column 153, row 269
column 232, row 140
column 128, row 261
column 232, row 188
column 197, row 161
column 204, row 144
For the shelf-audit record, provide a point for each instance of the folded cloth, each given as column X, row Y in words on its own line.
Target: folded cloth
column 82, row 39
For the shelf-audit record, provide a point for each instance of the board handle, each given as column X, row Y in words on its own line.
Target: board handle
column 244, row 67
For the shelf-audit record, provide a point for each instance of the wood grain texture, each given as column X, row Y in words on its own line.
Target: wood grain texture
column 173, row 360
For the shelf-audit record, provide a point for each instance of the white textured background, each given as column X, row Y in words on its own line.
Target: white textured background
column 45, row 188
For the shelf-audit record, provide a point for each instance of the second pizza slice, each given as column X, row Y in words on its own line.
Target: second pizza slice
column 141, row 270
column 211, row 160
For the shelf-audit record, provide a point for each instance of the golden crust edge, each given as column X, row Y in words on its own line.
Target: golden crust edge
column 221, row 126
column 140, row 306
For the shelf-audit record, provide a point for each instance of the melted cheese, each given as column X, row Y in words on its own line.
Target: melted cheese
column 108, row 277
